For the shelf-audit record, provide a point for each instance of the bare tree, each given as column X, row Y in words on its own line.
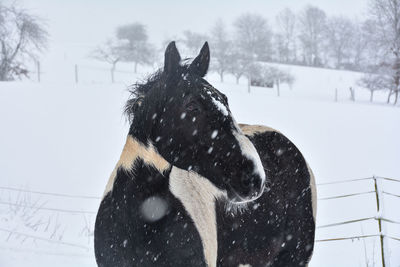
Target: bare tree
column 280, row 49
column 374, row 82
column 361, row 41
column 238, row 64
column 372, row 46
column 386, row 14
column 340, row 32
column 110, row 52
column 221, row 47
column 134, row 45
column 286, row 22
column 253, row 37
column 312, row 27
column 23, row 37
column 254, row 75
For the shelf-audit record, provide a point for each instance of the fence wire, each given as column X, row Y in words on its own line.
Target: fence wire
column 344, row 196
column 44, row 208
column 71, row 211
column 48, row 193
column 11, row 232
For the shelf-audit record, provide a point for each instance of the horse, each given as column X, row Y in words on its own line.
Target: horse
column 192, row 187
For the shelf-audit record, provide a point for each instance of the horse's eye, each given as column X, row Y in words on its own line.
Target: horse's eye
column 192, row 106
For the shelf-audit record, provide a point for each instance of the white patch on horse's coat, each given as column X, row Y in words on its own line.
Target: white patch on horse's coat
column 250, row 152
column 132, row 151
column 252, row 129
column 198, row 196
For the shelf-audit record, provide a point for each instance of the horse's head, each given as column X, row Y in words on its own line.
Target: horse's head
column 190, row 124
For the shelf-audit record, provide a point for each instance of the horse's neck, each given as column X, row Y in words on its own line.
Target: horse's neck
column 196, row 193
column 198, row 196
column 133, row 152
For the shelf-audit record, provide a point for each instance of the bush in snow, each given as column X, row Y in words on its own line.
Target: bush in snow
column 268, row 76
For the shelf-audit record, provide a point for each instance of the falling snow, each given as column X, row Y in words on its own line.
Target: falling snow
column 154, row 208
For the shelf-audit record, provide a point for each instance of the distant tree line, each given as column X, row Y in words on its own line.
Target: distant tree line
column 384, row 43
column 309, row 38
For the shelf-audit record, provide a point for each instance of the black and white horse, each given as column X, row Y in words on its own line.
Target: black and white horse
column 193, row 188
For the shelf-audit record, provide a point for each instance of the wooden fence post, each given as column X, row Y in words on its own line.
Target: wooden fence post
column 76, row 73
column 379, row 207
column 352, row 94
column 38, row 70
column 336, row 95
column 249, row 84
column 277, row 87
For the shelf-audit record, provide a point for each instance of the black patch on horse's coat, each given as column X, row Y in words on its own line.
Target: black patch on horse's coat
column 123, row 237
column 278, row 228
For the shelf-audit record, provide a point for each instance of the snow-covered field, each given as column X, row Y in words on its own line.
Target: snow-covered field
column 60, row 137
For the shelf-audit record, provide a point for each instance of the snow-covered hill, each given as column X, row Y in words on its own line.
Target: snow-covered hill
column 64, row 138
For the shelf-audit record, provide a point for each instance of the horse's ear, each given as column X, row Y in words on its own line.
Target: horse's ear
column 172, row 58
column 202, row 61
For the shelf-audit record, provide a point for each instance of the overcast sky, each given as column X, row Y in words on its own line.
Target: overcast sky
column 86, row 23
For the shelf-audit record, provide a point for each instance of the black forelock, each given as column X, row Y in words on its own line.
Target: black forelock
column 157, row 81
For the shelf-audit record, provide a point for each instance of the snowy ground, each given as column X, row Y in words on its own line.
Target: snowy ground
column 64, row 138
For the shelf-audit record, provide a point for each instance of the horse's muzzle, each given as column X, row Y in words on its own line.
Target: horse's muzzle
column 248, row 189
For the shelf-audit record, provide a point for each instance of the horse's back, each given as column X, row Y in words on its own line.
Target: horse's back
column 278, row 228
column 259, row 135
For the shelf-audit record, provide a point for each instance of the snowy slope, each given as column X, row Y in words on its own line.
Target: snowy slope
column 60, row 137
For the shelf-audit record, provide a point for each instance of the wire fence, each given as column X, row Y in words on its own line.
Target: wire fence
column 83, row 71
column 379, row 218
column 376, row 191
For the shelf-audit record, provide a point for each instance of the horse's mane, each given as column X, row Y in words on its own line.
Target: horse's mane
column 138, row 92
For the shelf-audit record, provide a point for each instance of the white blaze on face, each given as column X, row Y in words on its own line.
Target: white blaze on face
column 246, row 146
column 249, row 151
